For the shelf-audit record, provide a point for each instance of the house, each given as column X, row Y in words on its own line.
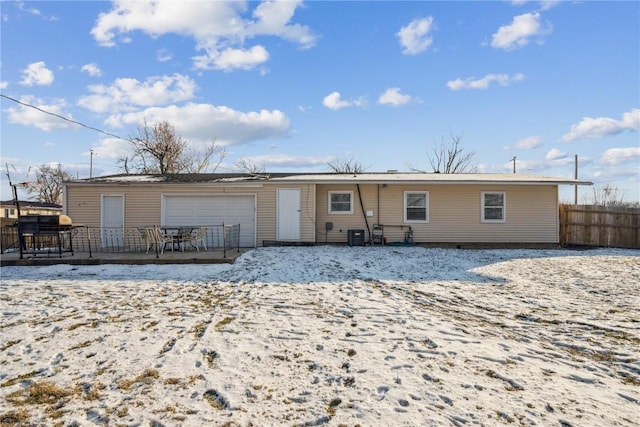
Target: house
column 330, row 207
column 9, row 210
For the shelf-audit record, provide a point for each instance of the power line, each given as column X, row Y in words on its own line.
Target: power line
column 65, row 118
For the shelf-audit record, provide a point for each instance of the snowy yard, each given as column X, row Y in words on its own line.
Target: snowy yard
column 330, row 336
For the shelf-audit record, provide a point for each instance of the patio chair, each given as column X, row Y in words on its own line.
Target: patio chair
column 144, row 237
column 197, row 235
column 155, row 237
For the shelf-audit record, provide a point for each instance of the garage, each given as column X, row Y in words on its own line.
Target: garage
column 213, row 210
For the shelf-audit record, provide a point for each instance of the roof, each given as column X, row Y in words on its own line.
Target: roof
column 31, row 204
column 332, row 178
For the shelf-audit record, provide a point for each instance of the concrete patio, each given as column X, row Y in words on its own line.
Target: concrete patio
column 83, row 258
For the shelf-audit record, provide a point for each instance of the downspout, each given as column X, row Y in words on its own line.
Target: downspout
column 378, row 212
column 366, row 221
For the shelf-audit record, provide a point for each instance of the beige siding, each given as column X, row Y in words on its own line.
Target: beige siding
column 344, row 222
column 143, row 204
column 454, row 210
column 267, row 211
column 454, row 213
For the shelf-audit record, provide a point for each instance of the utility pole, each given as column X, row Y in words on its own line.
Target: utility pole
column 575, row 200
column 91, row 163
column 514, row 164
column 14, row 191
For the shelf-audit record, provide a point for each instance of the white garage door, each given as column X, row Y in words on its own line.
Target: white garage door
column 213, row 210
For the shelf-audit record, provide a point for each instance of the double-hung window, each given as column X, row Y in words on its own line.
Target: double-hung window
column 493, row 206
column 416, row 206
column 340, row 202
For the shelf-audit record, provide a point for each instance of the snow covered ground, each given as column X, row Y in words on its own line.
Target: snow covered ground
column 313, row 336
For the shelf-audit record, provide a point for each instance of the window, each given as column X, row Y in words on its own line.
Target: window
column 341, row 202
column 493, row 207
column 416, row 206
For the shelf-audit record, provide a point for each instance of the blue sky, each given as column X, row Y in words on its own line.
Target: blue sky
column 290, row 86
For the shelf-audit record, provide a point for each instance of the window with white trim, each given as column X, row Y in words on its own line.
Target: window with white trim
column 493, row 206
column 340, row 202
column 416, row 206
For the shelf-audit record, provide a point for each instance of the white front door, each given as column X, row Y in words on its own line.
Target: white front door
column 288, row 214
column 112, row 223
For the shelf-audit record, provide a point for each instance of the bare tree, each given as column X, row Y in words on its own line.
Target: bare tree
column 451, row 157
column 198, row 162
column 48, row 187
column 346, row 166
column 607, row 195
column 250, row 167
column 159, row 149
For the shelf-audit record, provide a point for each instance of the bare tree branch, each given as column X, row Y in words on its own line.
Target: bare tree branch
column 158, row 149
column 609, row 196
column 250, row 167
column 450, row 157
column 346, row 166
column 49, row 184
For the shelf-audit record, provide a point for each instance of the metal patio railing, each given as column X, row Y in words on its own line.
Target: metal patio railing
column 92, row 240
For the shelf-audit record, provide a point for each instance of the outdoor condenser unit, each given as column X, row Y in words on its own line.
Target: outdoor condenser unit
column 355, row 237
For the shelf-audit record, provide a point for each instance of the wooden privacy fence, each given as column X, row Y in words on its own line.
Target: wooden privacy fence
column 599, row 226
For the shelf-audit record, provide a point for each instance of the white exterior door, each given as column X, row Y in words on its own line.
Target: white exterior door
column 213, row 211
column 112, row 221
column 288, row 214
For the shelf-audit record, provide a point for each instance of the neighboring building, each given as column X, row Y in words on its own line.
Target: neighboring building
column 9, row 210
column 322, row 208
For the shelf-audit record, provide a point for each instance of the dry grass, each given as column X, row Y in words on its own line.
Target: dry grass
column 146, row 377
column 9, row 344
column 38, row 393
column 215, row 399
column 20, row 378
column 14, row 418
column 92, row 324
column 90, row 392
column 221, row 324
column 199, row 329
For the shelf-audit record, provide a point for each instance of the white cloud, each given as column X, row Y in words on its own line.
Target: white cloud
column 614, row 156
column 483, row 83
column 203, row 123
column 603, row 126
column 4, row 84
column 529, row 143
column 548, row 4
column 519, row 32
column 286, row 161
column 127, row 93
column 92, row 69
column 163, row 55
column 273, row 19
column 30, row 10
column 555, row 154
column 334, row 101
column 218, row 28
column 27, row 116
column 415, row 37
column 231, row 59
column 544, row 5
column 38, row 74
column 112, row 148
column 392, row 96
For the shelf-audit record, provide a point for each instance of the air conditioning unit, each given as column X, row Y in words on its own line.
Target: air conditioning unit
column 355, row 237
